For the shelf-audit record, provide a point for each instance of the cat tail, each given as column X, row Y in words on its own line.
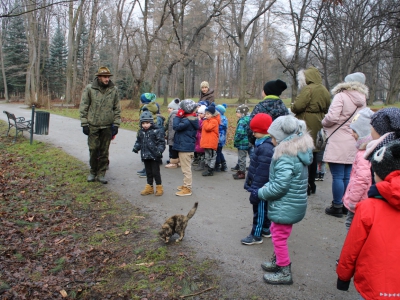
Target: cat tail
column 192, row 211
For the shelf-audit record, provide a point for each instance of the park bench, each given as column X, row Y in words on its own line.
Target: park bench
column 19, row 123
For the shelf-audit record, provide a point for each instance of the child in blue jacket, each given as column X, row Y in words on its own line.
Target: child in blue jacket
column 241, row 141
column 257, row 176
column 220, row 164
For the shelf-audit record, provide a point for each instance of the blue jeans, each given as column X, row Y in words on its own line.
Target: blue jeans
column 340, row 180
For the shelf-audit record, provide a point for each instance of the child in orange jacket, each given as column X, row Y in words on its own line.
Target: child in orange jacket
column 209, row 138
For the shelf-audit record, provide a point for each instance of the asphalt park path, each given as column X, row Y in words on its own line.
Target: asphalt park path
column 223, row 218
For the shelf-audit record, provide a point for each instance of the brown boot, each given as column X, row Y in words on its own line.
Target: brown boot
column 239, row 175
column 148, row 190
column 184, row 192
column 159, row 190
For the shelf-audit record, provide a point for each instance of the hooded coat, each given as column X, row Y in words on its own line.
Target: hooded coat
column 100, row 106
column 350, row 97
column 371, row 250
column 210, row 133
column 286, row 191
column 313, row 102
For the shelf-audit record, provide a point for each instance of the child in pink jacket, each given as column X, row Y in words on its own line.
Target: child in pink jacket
column 360, row 176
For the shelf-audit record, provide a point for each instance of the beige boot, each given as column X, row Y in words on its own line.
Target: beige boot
column 148, row 190
column 159, row 190
column 184, row 192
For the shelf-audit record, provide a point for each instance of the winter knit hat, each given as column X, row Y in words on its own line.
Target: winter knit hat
column 386, row 120
column 204, row 102
column 358, row 77
column 361, row 122
column 201, row 109
column 174, row 104
column 211, row 109
column 283, row 127
column 188, row 106
column 146, row 116
column 260, row 123
column 387, row 159
column 221, row 108
column 204, row 84
column 243, row 109
column 274, row 87
column 147, row 97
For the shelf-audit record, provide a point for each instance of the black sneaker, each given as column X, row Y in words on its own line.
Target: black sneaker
column 251, row 240
column 334, row 211
column 266, row 233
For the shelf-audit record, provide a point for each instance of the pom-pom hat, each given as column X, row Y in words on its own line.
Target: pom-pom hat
column 188, row 106
column 146, row 116
column 361, row 122
column 174, row 104
column 283, row 127
column 261, row 123
column 386, row 159
column 221, row 108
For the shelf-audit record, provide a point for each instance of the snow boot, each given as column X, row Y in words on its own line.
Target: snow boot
column 239, row 175
column 159, row 190
column 200, row 166
column 224, row 167
column 282, row 276
column 235, row 168
column 208, row 172
column 148, row 190
column 270, row 266
column 217, row 168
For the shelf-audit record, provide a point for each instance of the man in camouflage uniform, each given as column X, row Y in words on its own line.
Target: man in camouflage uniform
column 100, row 113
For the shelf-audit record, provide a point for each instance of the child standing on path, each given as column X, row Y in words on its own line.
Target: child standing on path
column 286, row 191
column 151, row 144
column 371, row 250
column 209, row 138
column 201, row 112
column 220, row 164
column 241, row 141
column 257, row 176
column 185, row 125
column 173, row 108
column 360, row 176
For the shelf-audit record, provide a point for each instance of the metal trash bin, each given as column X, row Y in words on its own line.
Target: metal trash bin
column 42, row 122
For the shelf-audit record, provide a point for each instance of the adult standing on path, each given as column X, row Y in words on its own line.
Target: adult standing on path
column 350, row 96
column 100, row 114
column 311, row 105
column 206, row 94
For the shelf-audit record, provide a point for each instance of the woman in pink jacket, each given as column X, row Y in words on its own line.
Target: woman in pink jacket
column 360, row 176
column 349, row 97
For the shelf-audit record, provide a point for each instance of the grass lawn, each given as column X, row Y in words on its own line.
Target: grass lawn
column 64, row 238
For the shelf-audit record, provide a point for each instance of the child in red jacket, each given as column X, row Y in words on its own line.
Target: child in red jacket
column 371, row 250
column 209, row 138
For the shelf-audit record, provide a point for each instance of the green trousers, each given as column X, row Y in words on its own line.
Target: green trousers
column 99, row 143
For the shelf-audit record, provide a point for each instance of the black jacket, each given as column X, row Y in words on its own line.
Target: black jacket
column 150, row 142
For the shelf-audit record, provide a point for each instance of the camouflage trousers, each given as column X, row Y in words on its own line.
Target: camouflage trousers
column 99, row 142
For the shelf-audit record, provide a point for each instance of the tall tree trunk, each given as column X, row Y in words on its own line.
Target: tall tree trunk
column 72, row 20
column 3, row 71
column 92, row 34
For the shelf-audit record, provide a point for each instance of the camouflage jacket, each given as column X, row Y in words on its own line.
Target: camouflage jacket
column 100, row 106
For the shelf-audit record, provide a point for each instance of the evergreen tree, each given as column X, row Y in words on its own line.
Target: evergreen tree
column 16, row 55
column 57, row 64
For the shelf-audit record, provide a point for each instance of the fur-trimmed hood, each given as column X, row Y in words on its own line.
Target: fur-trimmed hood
column 308, row 76
column 300, row 145
column 351, row 86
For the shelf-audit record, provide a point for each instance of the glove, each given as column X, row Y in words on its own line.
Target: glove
column 254, row 196
column 114, row 130
column 342, row 285
column 135, row 150
column 86, row 130
column 180, row 113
